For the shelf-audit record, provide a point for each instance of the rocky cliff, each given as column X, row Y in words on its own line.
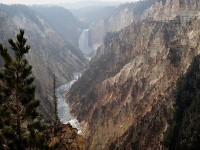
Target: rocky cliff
column 125, row 97
column 50, row 53
column 118, row 19
column 62, row 21
column 169, row 9
column 115, row 22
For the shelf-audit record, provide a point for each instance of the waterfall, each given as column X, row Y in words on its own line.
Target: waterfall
column 63, row 108
column 84, row 42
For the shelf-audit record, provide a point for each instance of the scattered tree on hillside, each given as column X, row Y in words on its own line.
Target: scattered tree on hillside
column 56, row 119
column 184, row 129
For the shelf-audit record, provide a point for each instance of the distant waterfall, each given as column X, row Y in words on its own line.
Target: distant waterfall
column 83, row 42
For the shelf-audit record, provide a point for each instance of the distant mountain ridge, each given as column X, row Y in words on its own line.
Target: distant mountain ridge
column 83, row 4
column 91, row 14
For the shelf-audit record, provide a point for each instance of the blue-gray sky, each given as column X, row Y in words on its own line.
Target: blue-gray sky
column 53, row 1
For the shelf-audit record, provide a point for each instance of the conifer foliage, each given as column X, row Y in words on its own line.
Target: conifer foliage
column 20, row 123
column 183, row 132
column 56, row 119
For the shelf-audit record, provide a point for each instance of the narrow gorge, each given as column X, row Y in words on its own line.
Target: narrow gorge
column 123, row 78
column 63, row 108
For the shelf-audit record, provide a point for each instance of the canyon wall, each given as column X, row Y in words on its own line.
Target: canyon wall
column 118, row 20
column 125, row 97
column 50, row 53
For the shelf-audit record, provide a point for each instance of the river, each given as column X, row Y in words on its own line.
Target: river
column 63, row 108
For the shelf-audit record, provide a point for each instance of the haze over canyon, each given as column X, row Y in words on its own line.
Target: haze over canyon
column 120, row 75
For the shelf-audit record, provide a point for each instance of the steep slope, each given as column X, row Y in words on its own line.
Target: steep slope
column 183, row 131
column 66, row 138
column 92, row 14
column 62, row 21
column 168, row 9
column 124, row 98
column 50, row 53
column 121, row 17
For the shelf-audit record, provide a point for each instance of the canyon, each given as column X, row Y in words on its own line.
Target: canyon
column 51, row 52
column 116, row 72
column 125, row 98
column 64, row 113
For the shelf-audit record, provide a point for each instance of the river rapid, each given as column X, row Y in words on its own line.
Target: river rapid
column 62, row 106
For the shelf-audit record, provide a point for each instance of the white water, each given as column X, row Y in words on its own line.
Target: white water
column 63, row 108
column 83, row 42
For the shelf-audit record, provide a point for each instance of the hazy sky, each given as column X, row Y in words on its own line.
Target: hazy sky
column 52, row 1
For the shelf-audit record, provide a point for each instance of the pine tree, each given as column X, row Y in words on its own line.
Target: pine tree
column 6, row 119
column 18, row 97
column 56, row 121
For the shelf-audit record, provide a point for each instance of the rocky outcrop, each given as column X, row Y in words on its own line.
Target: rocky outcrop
column 115, row 22
column 65, row 137
column 148, row 9
column 124, row 98
column 169, row 9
